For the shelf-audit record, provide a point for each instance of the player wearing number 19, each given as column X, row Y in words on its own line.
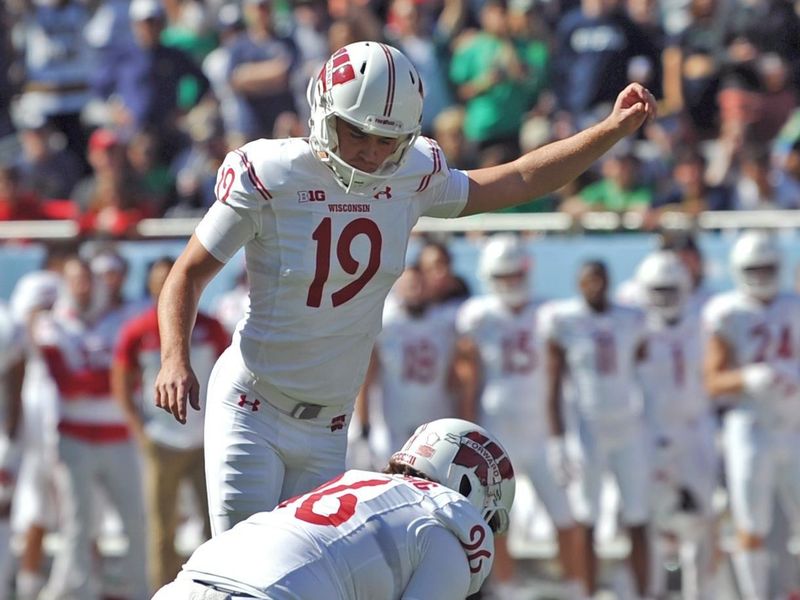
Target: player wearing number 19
column 421, row 529
column 325, row 222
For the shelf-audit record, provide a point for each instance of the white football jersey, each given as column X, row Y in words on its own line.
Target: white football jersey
column 320, row 262
column 600, row 352
column 415, row 357
column 756, row 333
column 672, row 376
column 365, row 528
column 511, row 358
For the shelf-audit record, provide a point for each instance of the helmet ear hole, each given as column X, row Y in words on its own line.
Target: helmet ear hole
column 465, row 487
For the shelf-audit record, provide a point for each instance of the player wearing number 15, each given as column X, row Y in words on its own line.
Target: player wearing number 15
column 423, row 529
column 325, row 222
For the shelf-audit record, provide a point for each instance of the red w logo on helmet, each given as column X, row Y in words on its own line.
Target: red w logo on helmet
column 478, row 452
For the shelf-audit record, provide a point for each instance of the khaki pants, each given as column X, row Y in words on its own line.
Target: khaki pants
column 165, row 468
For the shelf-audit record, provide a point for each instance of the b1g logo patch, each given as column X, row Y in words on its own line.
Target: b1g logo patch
column 311, row 196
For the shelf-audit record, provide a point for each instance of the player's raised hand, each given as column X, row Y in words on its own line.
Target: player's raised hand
column 634, row 105
column 175, row 384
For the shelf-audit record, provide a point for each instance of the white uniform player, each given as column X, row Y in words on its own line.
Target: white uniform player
column 424, row 531
column 12, row 361
column 752, row 362
column 94, row 445
column 413, row 363
column 34, row 508
column 681, row 424
column 320, row 263
column 501, row 373
column 325, row 223
column 600, row 344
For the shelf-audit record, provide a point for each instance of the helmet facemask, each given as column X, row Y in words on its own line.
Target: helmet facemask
column 760, row 281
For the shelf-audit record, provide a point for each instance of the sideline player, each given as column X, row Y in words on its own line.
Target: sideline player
column 423, row 529
column 325, row 222
column 681, row 425
column 12, row 374
column 751, row 362
column 600, row 345
column 500, row 371
column 411, row 364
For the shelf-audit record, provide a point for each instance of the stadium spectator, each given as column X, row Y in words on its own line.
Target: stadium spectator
column 594, row 45
column 405, row 31
column 94, row 446
column 142, row 81
column 489, row 71
column 447, row 548
column 46, row 167
column 230, row 26
column 172, row 453
column 16, row 202
column 57, row 64
column 196, row 167
column 300, row 320
column 106, row 156
column 259, row 68
column 448, row 130
column 756, row 188
column 311, row 23
column 690, row 193
column 692, row 62
column 149, row 167
column 621, row 189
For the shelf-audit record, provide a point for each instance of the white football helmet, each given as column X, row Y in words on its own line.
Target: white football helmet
column 375, row 88
column 468, row 459
column 756, row 264
column 504, row 255
column 665, row 282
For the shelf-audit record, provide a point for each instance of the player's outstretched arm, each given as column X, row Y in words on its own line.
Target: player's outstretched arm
column 177, row 311
column 550, row 167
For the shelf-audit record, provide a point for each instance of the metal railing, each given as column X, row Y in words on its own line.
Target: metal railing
column 539, row 222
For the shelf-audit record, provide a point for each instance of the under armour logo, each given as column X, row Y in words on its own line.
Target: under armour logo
column 386, row 192
column 337, row 423
column 243, row 401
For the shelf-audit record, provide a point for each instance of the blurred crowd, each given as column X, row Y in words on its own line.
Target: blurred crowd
column 112, row 111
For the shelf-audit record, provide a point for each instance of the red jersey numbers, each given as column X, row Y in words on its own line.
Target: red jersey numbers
column 318, row 507
column 519, row 355
column 766, row 342
column 419, row 361
column 605, row 352
column 225, row 181
column 323, row 236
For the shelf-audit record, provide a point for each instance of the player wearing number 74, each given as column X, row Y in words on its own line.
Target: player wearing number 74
column 421, row 529
column 325, row 222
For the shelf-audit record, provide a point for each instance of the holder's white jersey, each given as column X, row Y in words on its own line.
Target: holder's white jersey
column 600, row 351
column 757, row 333
column 672, row 375
column 363, row 531
column 415, row 357
column 320, row 261
column 511, row 357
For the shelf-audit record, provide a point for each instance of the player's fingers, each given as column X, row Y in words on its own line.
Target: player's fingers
column 194, row 397
column 179, row 405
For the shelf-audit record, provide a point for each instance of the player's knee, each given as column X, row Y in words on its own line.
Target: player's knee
column 750, row 541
